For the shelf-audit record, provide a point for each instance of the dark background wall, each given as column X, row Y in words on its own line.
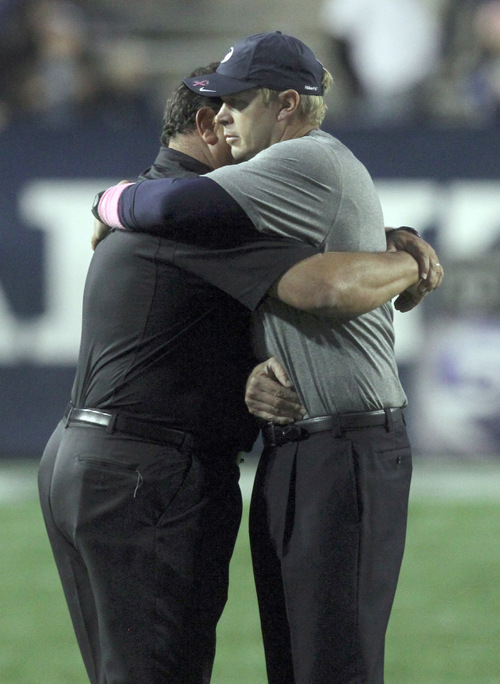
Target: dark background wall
column 443, row 180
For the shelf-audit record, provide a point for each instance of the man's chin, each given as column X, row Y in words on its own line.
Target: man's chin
column 240, row 155
column 237, row 154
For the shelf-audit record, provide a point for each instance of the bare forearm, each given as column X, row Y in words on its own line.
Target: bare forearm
column 342, row 285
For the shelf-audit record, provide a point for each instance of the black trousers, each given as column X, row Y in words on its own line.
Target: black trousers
column 142, row 535
column 327, row 529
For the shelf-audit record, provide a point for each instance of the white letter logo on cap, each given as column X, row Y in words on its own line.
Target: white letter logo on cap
column 228, row 56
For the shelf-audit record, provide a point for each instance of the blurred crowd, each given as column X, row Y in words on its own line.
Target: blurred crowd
column 61, row 60
column 423, row 61
column 434, row 62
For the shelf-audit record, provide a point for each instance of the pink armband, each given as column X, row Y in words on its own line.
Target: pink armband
column 108, row 205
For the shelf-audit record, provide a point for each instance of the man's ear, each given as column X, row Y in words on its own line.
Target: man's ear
column 205, row 125
column 289, row 101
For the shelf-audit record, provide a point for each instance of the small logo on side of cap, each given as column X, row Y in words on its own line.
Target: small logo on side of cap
column 310, row 87
column 228, row 56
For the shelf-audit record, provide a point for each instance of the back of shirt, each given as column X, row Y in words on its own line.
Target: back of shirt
column 161, row 342
column 314, row 189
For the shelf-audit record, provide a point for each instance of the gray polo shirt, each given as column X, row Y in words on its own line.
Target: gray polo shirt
column 314, row 189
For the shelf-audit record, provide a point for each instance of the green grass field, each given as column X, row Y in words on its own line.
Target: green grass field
column 445, row 627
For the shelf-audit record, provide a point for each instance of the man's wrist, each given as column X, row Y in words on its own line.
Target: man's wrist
column 407, row 229
column 95, row 205
column 105, row 207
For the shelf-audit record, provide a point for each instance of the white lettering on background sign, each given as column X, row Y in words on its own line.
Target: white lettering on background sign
column 466, row 214
column 61, row 209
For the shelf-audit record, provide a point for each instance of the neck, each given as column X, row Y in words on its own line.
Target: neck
column 298, row 130
column 193, row 146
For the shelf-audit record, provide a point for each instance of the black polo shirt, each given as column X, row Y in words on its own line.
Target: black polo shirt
column 166, row 327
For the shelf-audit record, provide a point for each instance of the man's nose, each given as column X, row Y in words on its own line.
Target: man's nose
column 223, row 117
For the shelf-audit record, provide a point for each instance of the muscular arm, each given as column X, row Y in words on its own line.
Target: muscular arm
column 337, row 285
column 342, row 285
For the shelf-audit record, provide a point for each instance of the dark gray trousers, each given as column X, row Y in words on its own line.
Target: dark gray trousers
column 327, row 528
column 142, row 535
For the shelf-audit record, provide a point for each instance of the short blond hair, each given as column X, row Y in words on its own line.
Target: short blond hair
column 312, row 108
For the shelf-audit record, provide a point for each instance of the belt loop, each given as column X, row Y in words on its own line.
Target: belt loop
column 187, row 443
column 338, row 428
column 67, row 414
column 389, row 422
column 110, row 427
column 271, row 428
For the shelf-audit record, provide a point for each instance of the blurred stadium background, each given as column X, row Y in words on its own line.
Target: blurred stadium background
column 417, row 98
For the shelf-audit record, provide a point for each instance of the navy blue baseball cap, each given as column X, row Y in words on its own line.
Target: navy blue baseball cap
column 266, row 60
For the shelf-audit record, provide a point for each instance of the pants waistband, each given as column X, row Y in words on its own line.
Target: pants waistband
column 278, row 435
column 128, row 425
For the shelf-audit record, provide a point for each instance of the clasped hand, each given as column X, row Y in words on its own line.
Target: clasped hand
column 430, row 270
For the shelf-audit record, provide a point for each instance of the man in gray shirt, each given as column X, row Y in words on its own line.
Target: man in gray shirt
column 328, row 516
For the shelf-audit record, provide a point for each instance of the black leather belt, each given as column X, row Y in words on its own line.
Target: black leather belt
column 277, row 435
column 128, row 425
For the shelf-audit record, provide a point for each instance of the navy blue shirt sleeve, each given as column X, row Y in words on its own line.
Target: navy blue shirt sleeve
column 192, row 210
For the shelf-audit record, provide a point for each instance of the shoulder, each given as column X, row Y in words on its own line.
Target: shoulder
column 311, row 157
column 315, row 156
column 306, row 148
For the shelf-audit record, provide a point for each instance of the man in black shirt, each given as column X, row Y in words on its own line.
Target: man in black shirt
column 139, row 482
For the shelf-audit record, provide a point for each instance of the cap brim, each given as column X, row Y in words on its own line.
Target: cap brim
column 217, row 85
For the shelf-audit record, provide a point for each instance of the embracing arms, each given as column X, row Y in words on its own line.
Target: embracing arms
column 337, row 285
column 343, row 285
